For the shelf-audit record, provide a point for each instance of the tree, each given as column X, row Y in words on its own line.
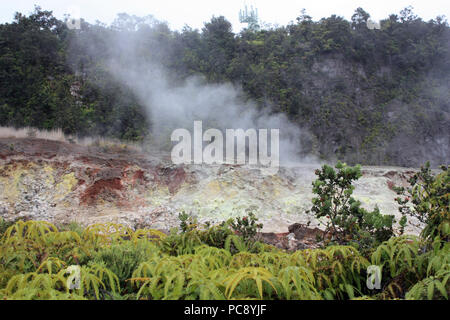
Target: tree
column 219, row 47
column 346, row 220
column 360, row 18
column 429, row 195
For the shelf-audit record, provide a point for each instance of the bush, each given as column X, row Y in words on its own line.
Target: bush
column 4, row 225
column 347, row 222
column 429, row 195
column 247, row 227
column 112, row 261
column 122, row 259
column 142, row 264
column 216, row 236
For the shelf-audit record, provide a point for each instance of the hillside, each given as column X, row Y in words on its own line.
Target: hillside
column 300, row 162
column 62, row 182
column 91, row 222
column 376, row 97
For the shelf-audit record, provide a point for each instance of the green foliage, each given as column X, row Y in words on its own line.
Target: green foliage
column 184, row 243
column 234, row 235
column 372, row 96
column 73, row 226
column 432, row 288
column 247, row 227
column 4, row 225
column 186, row 222
column 224, row 261
column 216, row 235
column 122, row 258
column 33, row 286
column 397, row 256
column 258, row 275
column 429, row 195
column 346, row 220
column 115, row 262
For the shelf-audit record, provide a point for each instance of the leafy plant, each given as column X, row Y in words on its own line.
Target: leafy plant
column 429, row 195
column 187, row 222
column 247, row 227
column 346, row 220
column 114, row 262
column 258, row 275
column 122, row 259
column 216, row 235
column 435, row 287
column 4, row 225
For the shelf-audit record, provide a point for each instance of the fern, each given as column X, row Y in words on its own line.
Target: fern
column 258, row 275
column 106, row 234
column 42, row 284
column 30, row 230
column 298, row 283
column 398, row 253
column 117, row 263
column 433, row 287
column 52, row 265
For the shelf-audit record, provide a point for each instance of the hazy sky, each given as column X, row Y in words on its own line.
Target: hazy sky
column 195, row 12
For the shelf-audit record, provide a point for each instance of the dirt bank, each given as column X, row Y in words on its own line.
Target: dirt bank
column 63, row 182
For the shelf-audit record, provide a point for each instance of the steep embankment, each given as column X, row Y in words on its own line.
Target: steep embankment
column 62, row 182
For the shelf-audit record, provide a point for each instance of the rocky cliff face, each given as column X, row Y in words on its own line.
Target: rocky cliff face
column 62, row 182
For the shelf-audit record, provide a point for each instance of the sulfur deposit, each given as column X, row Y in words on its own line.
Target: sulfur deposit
column 63, row 182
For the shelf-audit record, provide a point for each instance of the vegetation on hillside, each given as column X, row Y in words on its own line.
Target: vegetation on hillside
column 111, row 261
column 366, row 96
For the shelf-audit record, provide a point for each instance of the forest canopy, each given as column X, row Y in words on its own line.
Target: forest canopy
column 372, row 96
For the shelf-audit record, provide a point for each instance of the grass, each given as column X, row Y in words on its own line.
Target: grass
column 105, row 144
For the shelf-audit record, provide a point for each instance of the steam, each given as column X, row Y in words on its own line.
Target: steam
column 171, row 104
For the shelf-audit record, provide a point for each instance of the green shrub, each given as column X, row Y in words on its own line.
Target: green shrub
column 347, row 222
column 5, row 225
column 122, row 259
column 430, row 198
column 112, row 262
column 187, row 222
column 216, row 235
column 123, row 264
column 247, row 227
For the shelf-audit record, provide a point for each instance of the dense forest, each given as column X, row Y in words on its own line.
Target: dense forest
column 373, row 96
